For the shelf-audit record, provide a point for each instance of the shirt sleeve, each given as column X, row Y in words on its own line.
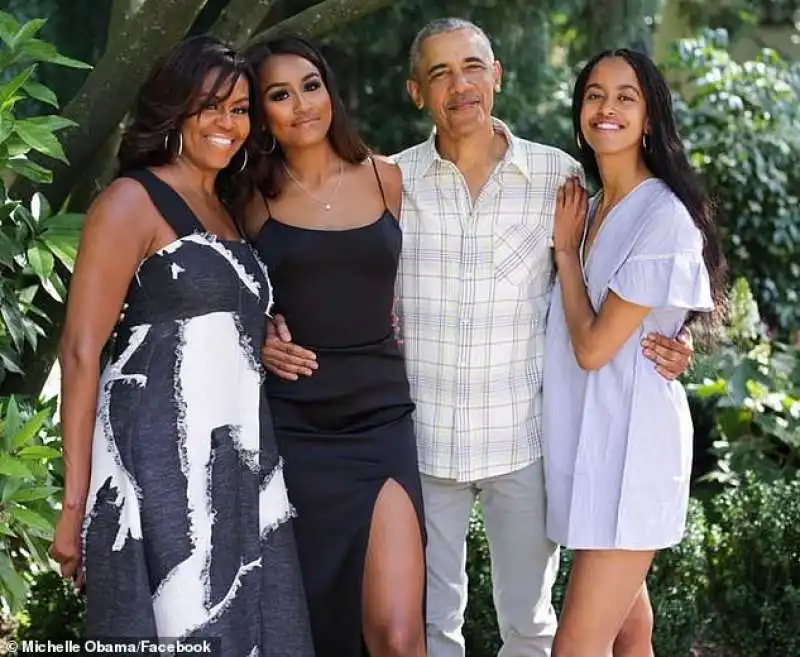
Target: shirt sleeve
column 665, row 268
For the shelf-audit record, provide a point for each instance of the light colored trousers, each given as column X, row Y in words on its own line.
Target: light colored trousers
column 524, row 561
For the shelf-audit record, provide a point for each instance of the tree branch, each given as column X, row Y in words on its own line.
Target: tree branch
column 240, row 19
column 322, row 18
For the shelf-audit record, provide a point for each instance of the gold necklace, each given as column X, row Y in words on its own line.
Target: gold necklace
column 325, row 204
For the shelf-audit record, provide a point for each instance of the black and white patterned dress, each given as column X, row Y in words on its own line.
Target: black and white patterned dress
column 187, row 530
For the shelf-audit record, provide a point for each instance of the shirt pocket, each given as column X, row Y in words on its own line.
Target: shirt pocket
column 520, row 251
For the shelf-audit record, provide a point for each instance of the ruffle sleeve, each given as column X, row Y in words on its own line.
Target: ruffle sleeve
column 678, row 280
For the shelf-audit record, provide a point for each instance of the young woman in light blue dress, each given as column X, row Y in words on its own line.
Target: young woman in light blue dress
column 641, row 256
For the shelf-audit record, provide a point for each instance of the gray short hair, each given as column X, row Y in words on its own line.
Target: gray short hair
column 441, row 26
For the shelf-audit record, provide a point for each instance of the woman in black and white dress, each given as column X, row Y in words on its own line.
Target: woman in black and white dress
column 175, row 505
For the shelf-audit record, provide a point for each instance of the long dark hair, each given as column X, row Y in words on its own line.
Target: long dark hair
column 666, row 159
column 173, row 93
column 266, row 172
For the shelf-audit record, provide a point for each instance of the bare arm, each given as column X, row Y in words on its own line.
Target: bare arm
column 596, row 338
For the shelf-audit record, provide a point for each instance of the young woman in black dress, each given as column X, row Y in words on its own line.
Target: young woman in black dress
column 323, row 214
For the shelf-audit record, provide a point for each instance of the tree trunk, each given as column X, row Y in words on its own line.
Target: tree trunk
column 121, row 12
column 240, row 19
column 610, row 24
column 323, row 17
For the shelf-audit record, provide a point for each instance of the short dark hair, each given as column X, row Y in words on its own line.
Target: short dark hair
column 440, row 26
column 172, row 93
column 266, row 171
column 666, row 158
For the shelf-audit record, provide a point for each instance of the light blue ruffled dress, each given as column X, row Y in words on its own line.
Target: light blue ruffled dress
column 618, row 440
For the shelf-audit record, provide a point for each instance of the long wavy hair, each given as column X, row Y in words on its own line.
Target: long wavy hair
column 666, row 159
column 267, row 173
column 173, row 93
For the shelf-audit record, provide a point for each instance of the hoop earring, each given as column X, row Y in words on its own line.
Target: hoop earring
column 166, row 142
column 180, row 144
column 644, row 142
column 274, row 146
column 244, row 162
column 579, row 142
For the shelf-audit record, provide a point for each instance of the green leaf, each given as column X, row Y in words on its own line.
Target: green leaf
column 12, row 420
column 30, row 170
column 66, row 221
column 13, row 320
column 10, row 88
column 13, row 583
column 34, row 493
column 9, row 249
column 63, row 245
column 41, row 261
column 31, row 429
column 5, row 530
column 39, row 452
column 27, row 32
column 45, row 52
column 41, row 93
column 9, row 27
column 31, row 519
column 6, row 126
column 51, row 122
column 12, row 467
column 16, row 146
column 10, row 486
column 40, row 208
column 9, row 360
column 40, row 138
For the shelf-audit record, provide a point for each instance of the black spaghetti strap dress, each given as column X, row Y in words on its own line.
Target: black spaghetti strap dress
column 347, row 429
column 188, row 532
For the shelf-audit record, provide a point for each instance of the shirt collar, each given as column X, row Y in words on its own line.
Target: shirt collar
column 514, row 155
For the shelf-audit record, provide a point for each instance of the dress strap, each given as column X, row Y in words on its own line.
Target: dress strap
column 168, row 202
column 380, row 184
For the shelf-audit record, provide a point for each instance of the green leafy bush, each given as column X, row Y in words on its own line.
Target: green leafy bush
column 754, row 553
column 54, row 610
column 37, row 246
column 750, row 387
column 741, row 127
column 29, row 482
column 37, row 249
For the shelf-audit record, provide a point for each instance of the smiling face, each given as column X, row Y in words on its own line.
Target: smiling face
column 213, row 135
column 613, row 114
column 296, row 104
column 456, row 78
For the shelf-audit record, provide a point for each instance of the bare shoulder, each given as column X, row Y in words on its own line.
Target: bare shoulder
column 389, row 171
column 124, row 207
column 392, row 181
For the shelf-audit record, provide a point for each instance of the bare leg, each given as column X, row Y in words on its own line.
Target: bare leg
column 394, row 578
column 603, row 586
column 635, row 639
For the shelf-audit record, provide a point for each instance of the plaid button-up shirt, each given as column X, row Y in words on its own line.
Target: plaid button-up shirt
column 473, row 290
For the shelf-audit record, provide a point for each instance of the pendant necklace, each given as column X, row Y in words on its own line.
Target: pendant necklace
column 325, row 204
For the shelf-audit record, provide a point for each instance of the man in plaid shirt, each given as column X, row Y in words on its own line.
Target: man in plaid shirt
column 473, row 289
